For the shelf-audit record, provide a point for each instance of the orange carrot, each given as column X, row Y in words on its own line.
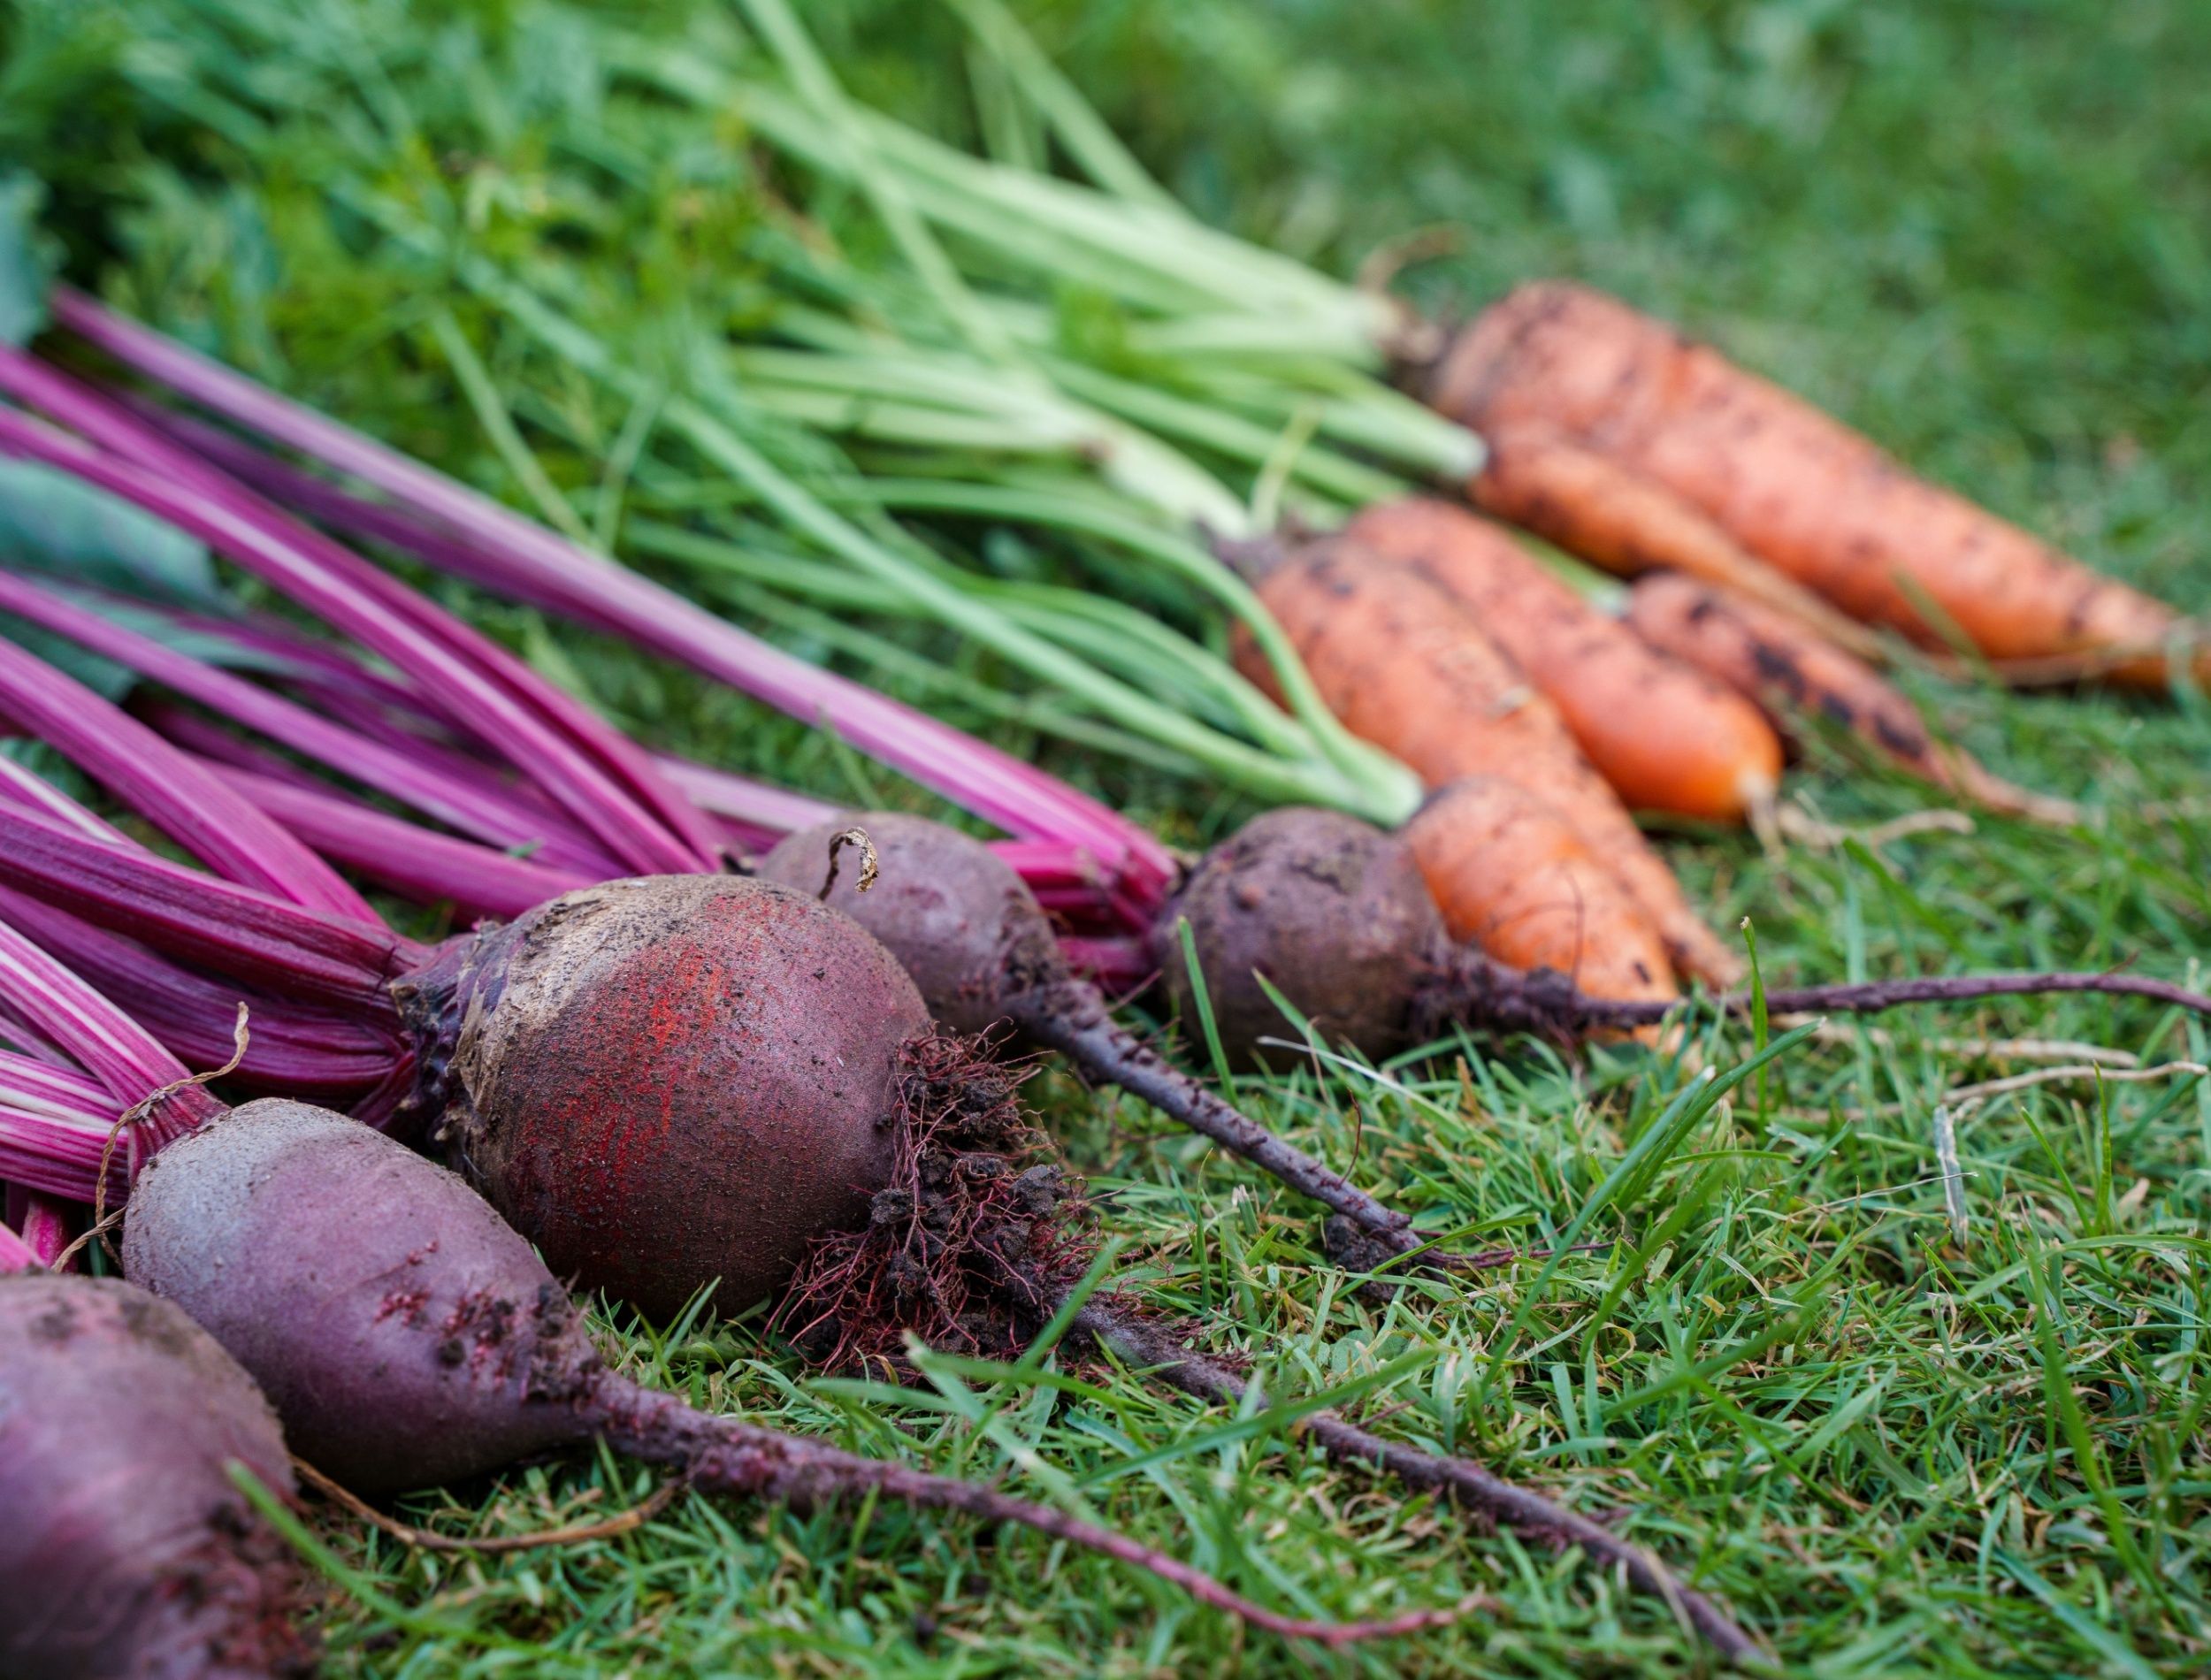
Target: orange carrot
column 1513, row 875
column 1407, row 668
column 1665, row 735
column 1590, row 505
column 1804, row 492
column 1793, row 673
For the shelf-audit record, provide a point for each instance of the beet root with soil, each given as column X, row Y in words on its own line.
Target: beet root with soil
column 961, row 921
column 1330, row 910
column 125, row 1549
column 669, row 1079
column 409, row 1336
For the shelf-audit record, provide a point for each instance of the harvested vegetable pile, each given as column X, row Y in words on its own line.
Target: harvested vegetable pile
column 1894, row 1341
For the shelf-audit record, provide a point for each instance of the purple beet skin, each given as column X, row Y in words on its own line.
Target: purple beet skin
column 408, row 1336
column 126, row 1550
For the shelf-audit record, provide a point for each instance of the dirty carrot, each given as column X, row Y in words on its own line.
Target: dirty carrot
column 1665, row 735
column 1590, row 505
column 1795, row 674
column 1413, row 671
column 1513, row 876
column 1804, row 492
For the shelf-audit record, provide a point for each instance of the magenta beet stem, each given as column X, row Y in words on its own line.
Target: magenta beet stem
column 290, row 654
column 201, row 455
column 16, row 1254
column 197, row 918
column 295, row 1049
column 1111, row 965
column 417, row 863
column 757, row 807
column 665, row 831
column 48, row 1223
column 52, row 1137
column 498, row 819
column 28, row 1083
column 470, row 680
column 191, row 807
column 510, row 553
column 991, row 784
column 128, row 1064
column 507, row 810
column 26, row 788
column 468, row 806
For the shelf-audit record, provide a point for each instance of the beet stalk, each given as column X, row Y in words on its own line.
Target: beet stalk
column 46, row 1225
column 16, row 1253
column 127, row 1549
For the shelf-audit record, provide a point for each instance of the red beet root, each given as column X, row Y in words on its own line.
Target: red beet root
column 126, row 1550
column 666, row 1080
column 408, row 1336
column 1332, row 911
column 956, row 917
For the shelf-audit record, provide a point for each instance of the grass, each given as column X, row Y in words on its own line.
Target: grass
column 1897, row 1446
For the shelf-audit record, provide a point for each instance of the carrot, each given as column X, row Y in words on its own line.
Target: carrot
column 1513, row 876
column 1800, row 491
column 1665, row 735
column 1410, row 669
column 1589, row 505
column 1791, row 672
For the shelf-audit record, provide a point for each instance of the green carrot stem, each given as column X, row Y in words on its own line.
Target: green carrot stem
column 720, row 443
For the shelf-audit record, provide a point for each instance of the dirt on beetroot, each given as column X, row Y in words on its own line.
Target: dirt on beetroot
column 967, row 1246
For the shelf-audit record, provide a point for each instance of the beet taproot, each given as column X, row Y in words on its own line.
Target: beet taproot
column 408, row 1336
column 127, row 1551
column 669, row 1080
column 1330, row 910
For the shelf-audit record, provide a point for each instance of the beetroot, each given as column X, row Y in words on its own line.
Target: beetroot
column 125, row 1549
column 1331, row 910
column 408, row 1336
column 954, row 913
column 403, row 1332
column 666, row 1080
column 971, row 934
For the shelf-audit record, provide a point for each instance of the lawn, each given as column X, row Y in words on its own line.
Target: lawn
column 1906, row 1421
